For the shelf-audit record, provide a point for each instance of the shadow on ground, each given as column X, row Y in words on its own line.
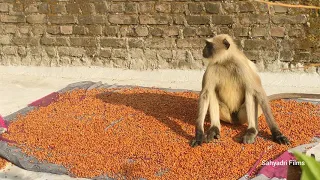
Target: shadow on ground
column 165, row 107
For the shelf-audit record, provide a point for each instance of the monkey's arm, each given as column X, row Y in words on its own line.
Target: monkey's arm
column 293, row 96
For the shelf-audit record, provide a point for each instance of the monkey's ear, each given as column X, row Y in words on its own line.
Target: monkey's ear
column 226, row 43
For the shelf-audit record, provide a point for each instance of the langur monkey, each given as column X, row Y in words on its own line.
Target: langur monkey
column 232, row 91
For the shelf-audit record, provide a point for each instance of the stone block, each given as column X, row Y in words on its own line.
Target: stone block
column 66, row 29
column 37, row 19
column 178, row 7
column 76, row 52
column 119, row 53
column 155, row 19
column 245, row 7
column 253, row 44
column 213, row 8
column 37, row 30
column 160, row 43
column 252, row 54
column 156, row 31
column 230, row 7
column 136, row 53
column 286, row 56
column 241, row 31
column 101, row 7
column 83, row 41
column 280, row 9
column 127, row 31
column 167, row 54
column 303, row 56
column 105, row 53
column 189, row 31
column 9, row 50
column 197, row 20
column 123, row 19
column 296, row 32
column 254, row 19
column 136, row 43
column 47, row 40
column 79, row 30
column 94, row 30
column 289, row 19
column 179, row 19
column 58, row 8
column 277, row 31
column 43, row 8
column 113, row 42
column 22, row 51
column 51, row 51
column 53, row 29
column 150, row 54
column 24, row 30
column 111, row 30
column 87, row 8
column 62, row 41
column 73, row 8
column 117, row 7
column 91, row 52
column 63, row 51
column 222, row 19
column 147, row 7
column 31, row 8
column 259, row 32
column 4, row 39
column 195, row 8
column 92, row 19
column 163, row 7
column 142, row 31
column 131, row 7
column 4, row 7
column 204, row 31
column 13, row 18
column 32, row 41
column 190, row 43
column 9, row 28
column 65, row 19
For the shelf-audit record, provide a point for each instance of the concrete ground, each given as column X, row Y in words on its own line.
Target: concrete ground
column 22, row 85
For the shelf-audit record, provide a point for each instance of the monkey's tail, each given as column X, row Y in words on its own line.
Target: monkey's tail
column 293, row 96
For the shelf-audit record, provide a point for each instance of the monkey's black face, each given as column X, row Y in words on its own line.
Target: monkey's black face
column 208, row 50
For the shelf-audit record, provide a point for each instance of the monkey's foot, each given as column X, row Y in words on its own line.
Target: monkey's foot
column 278, row 137
column 198, row 140
column 250, row 136
column 213, row 133
column 195, row 143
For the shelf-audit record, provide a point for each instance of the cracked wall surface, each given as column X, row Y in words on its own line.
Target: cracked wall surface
column 154, row 34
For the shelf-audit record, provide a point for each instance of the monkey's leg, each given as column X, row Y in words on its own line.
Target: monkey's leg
column 277, row 136
column 214, row 131
column 252, row 116
column 202, row 111
column 242, row 114
column 224, row 113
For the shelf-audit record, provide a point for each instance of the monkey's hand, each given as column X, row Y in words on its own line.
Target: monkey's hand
column 212, row 134
column 250, row 136
column 198, row 140
column 278, row 137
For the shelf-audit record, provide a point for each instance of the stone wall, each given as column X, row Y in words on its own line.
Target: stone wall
column 150, row 34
